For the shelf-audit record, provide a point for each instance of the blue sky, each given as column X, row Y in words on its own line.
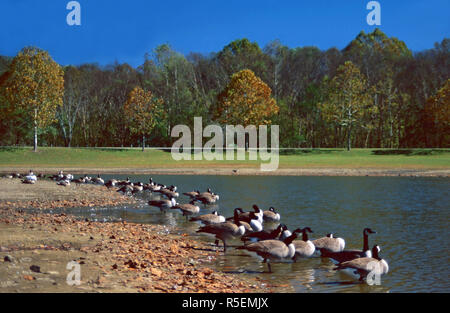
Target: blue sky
column 126, row 30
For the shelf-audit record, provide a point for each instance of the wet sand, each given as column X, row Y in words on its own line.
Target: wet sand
column 35, row 249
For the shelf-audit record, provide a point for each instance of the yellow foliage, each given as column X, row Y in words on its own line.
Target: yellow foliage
column 246, row 101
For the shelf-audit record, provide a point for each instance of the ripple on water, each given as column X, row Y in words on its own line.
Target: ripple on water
column 410, row 216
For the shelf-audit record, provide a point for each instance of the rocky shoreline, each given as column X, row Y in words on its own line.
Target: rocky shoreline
column 36, row 248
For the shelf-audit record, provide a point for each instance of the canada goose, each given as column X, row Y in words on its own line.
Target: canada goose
column 138, row 187
column 30, row 178
column 163, row 204
column 187, row 209
column 169, row 192
column 273, row 249
column 64, row 182
column 208, row 193
column 206, row 199
column 254, row 221
column 364, row 266
column 192, row 194
column 271, row 215
column 57, row 177
column 124, row 182
column 224, row 231
column 237, row 213
column 245, row 216
column 126, row 189
column 329, row 243
column 264, row 234
column 304, row 248
column 151, row 186
column 285, row 233
column 68, row 177
column 347, row 255
column 111, row 183
column 211, row 218
column 98, row 180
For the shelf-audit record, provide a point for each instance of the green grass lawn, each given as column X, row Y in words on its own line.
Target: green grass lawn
column 306, row 158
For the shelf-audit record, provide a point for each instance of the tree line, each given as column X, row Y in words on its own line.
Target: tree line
column 373, row 93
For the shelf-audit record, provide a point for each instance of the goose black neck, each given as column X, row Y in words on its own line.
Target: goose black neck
column 290, row 239
column 365, row 241
column 375, row 254
column 305, row 235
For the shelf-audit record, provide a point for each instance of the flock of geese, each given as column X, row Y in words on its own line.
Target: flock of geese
column 270, row 245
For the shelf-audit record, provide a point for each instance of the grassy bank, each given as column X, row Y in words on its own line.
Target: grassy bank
column 113, row 158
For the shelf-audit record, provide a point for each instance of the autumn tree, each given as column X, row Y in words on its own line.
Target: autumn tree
column 35, row 85
column 347, row 99
column 142, row 111
column 438, row 115
column 246, row 101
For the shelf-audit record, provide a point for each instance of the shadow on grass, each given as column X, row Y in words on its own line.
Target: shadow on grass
column 11, row 149
column 408, row 152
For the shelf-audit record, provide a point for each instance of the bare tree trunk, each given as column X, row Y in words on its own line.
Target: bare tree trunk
column 143, row 143
column 35, row 130
column 349, row 138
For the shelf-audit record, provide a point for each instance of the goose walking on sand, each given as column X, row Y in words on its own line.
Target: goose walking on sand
column 364, row 266
column 273, row 249
column 30, row 178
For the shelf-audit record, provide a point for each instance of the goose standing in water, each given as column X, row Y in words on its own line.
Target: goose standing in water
column 285, row 233
column 192, row 194
column 264, row 234
column 363, row 266
column 187, row 209
column 347, row 255
column 224, row 231
column 163, row 204
column 273, row 249
column 211, row 218
column 329, row 243
column 304, row 248
column 98, row 180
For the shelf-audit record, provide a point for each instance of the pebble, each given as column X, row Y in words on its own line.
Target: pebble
column 35, row 268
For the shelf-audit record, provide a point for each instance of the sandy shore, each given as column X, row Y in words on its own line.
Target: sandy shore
column 47, row 194
column 245, row 171
column 35, row 249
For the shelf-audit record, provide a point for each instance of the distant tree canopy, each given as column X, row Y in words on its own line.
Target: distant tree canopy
column 396, row 98
column 142, row 111
column 34, row 85
column 245, row 101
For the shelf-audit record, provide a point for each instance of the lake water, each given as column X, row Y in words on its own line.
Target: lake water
column 410, row 214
